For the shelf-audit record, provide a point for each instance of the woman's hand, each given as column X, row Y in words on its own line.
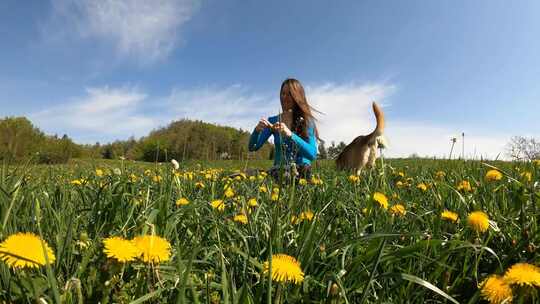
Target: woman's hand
column 282, row 129
column 263, row 123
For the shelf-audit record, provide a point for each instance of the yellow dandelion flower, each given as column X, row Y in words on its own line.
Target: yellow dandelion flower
column 275, row 190
column 263, row 189
column 218, row 204
column 182, row 201
column 78, row 182
column 120, row 249
column 132, row 178
column 478, row 221
column 274, row 197
column 422, row 187
column 252, row 202
column 316, row 181
column 99, row 172
column 153, row 249
column 157, row 178
column 401, row 174
column 229, row 192
column 449, row 216
column 398, row 210
column 241, row 218
column 307, row 215
column 493, row 175
column 527, row 176
column 496, row 290
column 303, row 216
column 381, row 199
column 523, row 274
column 400, row 184
column 25, row 250
column 199, row 185
column 354, row 179
column 285, row 268
column 464, row 186
column 302, row 182
column 440, row 174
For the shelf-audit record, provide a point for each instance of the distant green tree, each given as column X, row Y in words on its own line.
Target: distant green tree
column 18, row 138
column 333, row 150
column 323, row 154
column 187, row 139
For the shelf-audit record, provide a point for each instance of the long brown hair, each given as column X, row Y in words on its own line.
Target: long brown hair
column 302, row 111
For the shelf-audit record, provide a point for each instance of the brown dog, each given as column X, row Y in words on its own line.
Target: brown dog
column 362, row 151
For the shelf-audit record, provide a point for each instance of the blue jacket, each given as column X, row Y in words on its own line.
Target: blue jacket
column 296, row 148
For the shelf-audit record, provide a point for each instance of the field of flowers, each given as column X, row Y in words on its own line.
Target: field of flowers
column 409, row 231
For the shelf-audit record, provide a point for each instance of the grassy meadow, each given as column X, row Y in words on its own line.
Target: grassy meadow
column 408, row 231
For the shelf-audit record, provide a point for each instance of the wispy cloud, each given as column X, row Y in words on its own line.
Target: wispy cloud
column 235, row 105
column 105, row 114
column 145, row 30
column 346, row 108
column 101, row 115
column 348, row 113
column 407, row 138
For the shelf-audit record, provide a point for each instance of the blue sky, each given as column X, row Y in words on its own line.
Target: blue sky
column 103, row 70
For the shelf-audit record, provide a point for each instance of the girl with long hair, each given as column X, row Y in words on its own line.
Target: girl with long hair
column 294, row 130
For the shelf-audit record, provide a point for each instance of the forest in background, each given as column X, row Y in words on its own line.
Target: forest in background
column 182, row 140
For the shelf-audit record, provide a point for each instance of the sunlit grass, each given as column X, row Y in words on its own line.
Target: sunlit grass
column 402, row 232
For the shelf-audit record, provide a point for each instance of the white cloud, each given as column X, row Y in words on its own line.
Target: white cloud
column 233, row 106
column 408, row 138
column 102, row 114
column 105, row 114
column 346, row 108
column 348, row 113
column 147, row 30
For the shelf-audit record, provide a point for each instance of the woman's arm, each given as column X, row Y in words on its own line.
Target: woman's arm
column 307, row 148
column 257, row 139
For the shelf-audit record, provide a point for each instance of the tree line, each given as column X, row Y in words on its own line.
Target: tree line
column 182, row 140
column 19, row 140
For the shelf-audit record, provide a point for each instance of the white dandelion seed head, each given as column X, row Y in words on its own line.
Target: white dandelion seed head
column 382, row 143
column 175, row 164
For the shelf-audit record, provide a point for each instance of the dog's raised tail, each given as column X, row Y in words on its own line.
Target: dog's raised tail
column 379, row 116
